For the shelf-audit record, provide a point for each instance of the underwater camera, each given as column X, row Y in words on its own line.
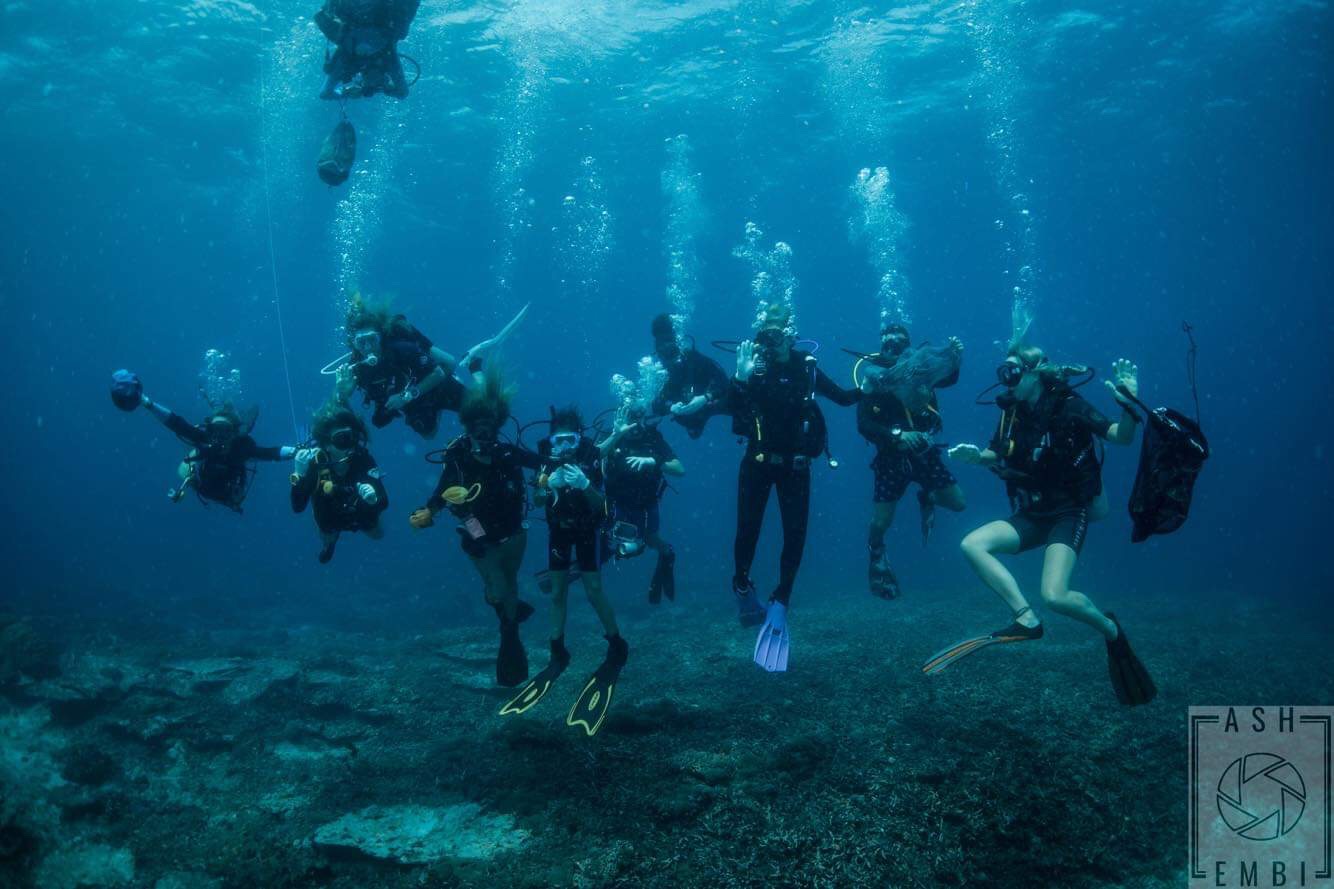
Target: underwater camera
column 625, row 540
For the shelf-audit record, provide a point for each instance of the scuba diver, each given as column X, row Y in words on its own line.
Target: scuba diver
column 482, row 484
column 365, row 35
column 772, row 403
column 636, row 461
column 696, row 387
column 569, row 486
column 339, row 474
column 398, row 370
column 899, row 414
column 1045, row 451
column 402, row 373
column 220, row 464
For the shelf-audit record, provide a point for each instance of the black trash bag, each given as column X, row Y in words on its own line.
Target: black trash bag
column 338, row 154
column 126, row 390
column 1170, row 460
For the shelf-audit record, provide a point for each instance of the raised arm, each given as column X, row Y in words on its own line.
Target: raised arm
column 1125, row 375
column 835, row 393
column 175, row 422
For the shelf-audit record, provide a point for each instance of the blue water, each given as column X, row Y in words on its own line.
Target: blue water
column 1127, row 166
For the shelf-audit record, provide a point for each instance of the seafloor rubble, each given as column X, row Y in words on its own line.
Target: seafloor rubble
column 158, row 753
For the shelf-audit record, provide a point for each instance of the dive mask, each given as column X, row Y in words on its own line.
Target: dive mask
column 344, row 439
column 220, row 430
column 367, row 343
column 893, row 345
column 1010, row 373
column 563, row 443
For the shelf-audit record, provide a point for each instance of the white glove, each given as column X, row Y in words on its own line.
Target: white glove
column 287, row 452
column 639, row 464
column 575, row 477
column 557, row 479
column 368, row 493
column 304, row 458
column 686, row 408
column 966, row 453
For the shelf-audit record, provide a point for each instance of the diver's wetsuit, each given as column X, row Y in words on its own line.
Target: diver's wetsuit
column 491, row 527
column 495, row 513
column 634, row 494
column 220, row 473
column 572, row 521
column 895, row 465
column 691, row 375
column 338, row 505
column 366, row 35
column 784, row 429
column 1051, row 468
column 405, row 360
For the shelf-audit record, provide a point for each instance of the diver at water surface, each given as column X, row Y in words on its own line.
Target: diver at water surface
column 637, row 459
column 365, row 35
column 339, row 476
column 899, row 414
column 773, row 407
column 696, row 387
column 569, row 486
column 1045, row 450
column 220, row 464
column 482, row 484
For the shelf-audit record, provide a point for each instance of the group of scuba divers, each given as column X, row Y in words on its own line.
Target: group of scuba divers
column 600, row 484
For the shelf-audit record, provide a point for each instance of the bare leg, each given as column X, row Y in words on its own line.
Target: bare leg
column 506, row 573
column 560, row 592
column 593, row 588
column 487, row 571
column 882, row 516
column 950, row 498
column 980, row 548
column 1058, row 564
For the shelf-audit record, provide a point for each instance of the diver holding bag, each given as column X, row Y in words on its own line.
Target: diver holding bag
column 1170, row 460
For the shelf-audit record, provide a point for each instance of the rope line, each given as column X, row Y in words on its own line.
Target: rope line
column 273, row 262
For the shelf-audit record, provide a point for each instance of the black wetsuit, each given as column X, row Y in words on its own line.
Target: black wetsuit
column 693, row 374
column 405, row 360
column 1051, row 466
column 634, row 494
column 784, row 429
column 497, row 509
column 895, row 464
column 221, row 473
column 338, row 506
column 365, row 34
column 573, row 522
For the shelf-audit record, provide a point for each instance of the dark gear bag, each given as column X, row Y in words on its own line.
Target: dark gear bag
column 1170, row 461
column 338, row 154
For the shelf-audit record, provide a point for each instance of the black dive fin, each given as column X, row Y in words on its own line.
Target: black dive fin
column 1015, row 632
column 1130, row 680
